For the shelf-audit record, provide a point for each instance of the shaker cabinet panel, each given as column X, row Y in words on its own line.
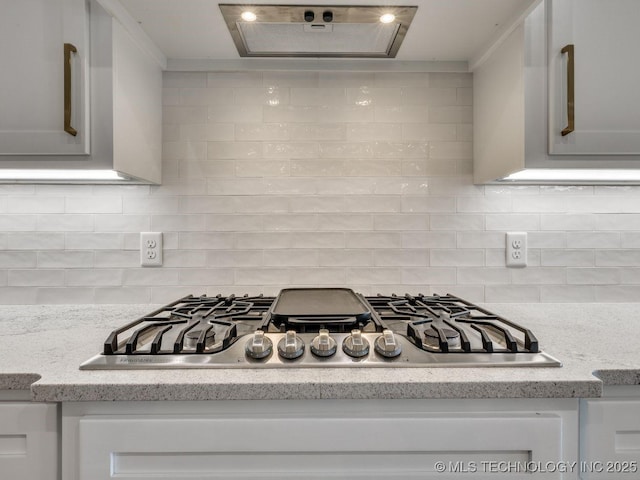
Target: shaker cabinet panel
column 28, row 441
column 603, row 38
column 35, row 89
column 610, row 438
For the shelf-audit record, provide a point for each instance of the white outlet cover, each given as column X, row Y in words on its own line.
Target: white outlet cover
column 151, row 249
column 516, row 249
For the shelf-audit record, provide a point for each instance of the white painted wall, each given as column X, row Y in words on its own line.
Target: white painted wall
column 317, row 178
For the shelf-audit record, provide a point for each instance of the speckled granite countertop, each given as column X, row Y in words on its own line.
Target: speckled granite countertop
column 41, row 348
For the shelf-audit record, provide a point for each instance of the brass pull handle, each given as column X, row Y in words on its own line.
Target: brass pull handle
column 569, row 49
column 68, row 49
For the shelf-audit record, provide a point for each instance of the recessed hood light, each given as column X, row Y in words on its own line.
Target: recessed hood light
column 317, row 30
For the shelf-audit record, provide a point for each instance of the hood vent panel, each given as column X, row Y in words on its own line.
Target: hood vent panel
column 281, row 30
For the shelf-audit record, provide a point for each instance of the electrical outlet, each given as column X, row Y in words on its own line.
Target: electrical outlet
column 151, row 249
column 516, row 251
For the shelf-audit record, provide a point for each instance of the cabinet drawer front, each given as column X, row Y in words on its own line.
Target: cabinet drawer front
column 28, row 441
column 187, row 447
column 610, row 433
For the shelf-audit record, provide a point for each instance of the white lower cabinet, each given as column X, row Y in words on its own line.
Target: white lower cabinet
column 610, row 433
column 28, row 441
column 337, row 439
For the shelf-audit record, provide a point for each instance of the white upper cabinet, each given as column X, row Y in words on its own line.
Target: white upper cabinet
column 526, row 96
column 601, row 38
column 38, row 39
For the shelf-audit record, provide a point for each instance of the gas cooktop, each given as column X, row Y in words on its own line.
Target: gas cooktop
column 320, row 327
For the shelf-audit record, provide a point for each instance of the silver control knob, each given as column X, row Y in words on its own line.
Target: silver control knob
column 323, row 345
column 258, row 346
column 291, row 346
column 355, row 345
column 387, row 345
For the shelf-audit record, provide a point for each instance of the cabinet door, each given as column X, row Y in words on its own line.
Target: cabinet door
column 605, row 36
column 610, row 439
column 33, row 34
column 411, row 446
column 28, row 441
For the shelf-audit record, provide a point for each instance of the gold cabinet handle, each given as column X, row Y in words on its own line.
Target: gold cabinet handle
column 569, row 49
column 68, row 49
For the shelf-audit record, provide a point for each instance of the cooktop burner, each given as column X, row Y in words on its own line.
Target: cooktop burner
column 315, row 327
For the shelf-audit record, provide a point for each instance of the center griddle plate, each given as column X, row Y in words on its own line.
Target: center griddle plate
column 318, row 304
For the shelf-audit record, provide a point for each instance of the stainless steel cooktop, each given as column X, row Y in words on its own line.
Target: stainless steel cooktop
column 320, row 327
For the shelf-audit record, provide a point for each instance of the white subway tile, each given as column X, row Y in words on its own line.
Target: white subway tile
column 364, row 96
column 318, row 96
column 567, row 222
column 317, row 168
column 345, row 222
column 206, row 276
column 326, row 131
column 616, row 293
column 400, row 222
column 177, row 223
column 436, row 96
column 437, row 114
column 428, row 204
column 345, row 257
column 206, row 169
column 456, row 258
column 484, row 204
column 231, row 258
column 184, row 115
column 262, row 168
column 263, row 276
column 197, row 97
column 35, row 241
column 235, row 79
column 291, row 258
column 207, row 241
column 262, row 131
column 116, row 259
column 150, row 276
column 512, row 293
column 464, row 133
column 346, row 114
column 401, row 257
column 593, row 240
column 18, row 295
column 94, row 277
column 401, row 114
column 345, row 79
column 427, row 132
column 450, row 150
column 185, row 258
column 593, row 276
column 236, row 186
column 567, row 293
column 290, row 186
column 184, row 150
column 512, row 222
column 373, row 240
column 428, row 240
column 65, row 223
column 126, row 295
column 259, row 204
column 270, row 96
column 290, row 79
column 618, row 222
column 400, row 150
column 374, row 275
column 122, row 223
column 62, row 296
column 291, row 222
column 234, row 114
column 368, row 132
column 35, row 278
column 316, row 203
column 17, row 259
column 539, row 276
column 35, row 204
column 617, row 258
column 286, row 114
column 318, row 239
column 263, row 241
column 456, row 222
column 196, row 135
column 372, row 203
column 428, row 275
column 483, row 275
column 568, row 258
column 65, row 259
column 371, row 168
column 471, row 239
column 318, row 276
column 401, row 79
column 184, row 79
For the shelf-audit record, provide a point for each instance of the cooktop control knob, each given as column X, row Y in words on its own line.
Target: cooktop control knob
column 387, row 345
column 291, row 346
column 355, row 345
column 258, row 346
column 323, row 345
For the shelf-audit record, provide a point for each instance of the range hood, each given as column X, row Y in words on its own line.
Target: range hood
column 317, row 31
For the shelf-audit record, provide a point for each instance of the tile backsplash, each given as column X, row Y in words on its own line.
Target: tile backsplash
column 279, row 179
